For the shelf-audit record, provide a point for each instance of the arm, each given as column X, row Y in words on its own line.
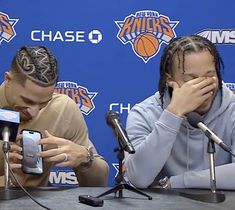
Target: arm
column 153, row 140
column 73, row 141
column 201, row 179
column 96, row 173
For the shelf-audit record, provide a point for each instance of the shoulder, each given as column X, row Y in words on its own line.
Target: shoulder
column 61, row 100
column 148, row 110
column 149, row 106
column 63, row 105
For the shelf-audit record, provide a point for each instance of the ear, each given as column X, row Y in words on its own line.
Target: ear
column 169, row 78
column 8, row 76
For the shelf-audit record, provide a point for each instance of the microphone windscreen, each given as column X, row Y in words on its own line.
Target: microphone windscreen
column 11, row 119
column 194, row 118
column 110, row 116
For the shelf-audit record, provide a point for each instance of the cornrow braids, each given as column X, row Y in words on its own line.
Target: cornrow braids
column 180, row 47
column 37, row 64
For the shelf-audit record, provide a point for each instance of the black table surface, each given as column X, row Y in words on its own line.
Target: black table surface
column 68, row 199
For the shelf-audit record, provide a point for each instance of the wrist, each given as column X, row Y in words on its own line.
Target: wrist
column 89, row 156
column 175, row 111
column 165, row 183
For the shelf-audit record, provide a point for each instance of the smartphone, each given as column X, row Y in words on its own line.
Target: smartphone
column 31, row 163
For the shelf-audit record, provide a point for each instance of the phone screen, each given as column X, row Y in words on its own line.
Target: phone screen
column 31, row 162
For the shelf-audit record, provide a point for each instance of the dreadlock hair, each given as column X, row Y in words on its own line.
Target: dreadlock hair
column 182, row 46
column 37, row 64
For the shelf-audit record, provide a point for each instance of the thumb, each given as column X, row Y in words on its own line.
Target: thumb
column 173, row 84
column 47, row 134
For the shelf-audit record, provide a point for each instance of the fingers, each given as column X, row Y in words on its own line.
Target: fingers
column 208, row 89
column 15, row 148
column 203, row 82
column 207, row 85
column 191, row 94
column 14, row 155
column 15, row 165
column 15, row 159
column 206, row 96
column 63, row 164
column 52, row 140
column 197, row 80
column 47, row 134
column 63, row 157
column 50, row 153
column 19, row 137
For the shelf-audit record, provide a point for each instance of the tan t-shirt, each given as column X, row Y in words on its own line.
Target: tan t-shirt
column 62, row 118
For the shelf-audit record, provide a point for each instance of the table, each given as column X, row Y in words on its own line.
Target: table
column 68, row 199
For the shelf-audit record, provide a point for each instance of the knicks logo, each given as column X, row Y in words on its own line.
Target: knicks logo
column 81, row 96
column 116, row 167
column 7, row 31
column 146, row 31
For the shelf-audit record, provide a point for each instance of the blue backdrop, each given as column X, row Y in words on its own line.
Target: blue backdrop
column 108, row 51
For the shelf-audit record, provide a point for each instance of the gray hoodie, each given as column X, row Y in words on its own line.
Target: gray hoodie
column 167, row 145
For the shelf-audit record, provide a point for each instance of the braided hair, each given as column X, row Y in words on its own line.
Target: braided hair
column 37, row 64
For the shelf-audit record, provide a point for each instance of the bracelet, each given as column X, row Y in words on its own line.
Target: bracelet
column 90, row 155
column 165, row 183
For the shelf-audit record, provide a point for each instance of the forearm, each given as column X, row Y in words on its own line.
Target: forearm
column 201, row 179
column 94, row 175
column 153, row 151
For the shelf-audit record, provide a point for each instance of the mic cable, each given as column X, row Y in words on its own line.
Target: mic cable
column 21, row 186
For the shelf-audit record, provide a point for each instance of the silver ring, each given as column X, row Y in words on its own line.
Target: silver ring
column 65, row 157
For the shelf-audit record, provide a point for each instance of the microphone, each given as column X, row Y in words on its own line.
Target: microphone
column 113, row 120
column 9, row 123
column 196, row 121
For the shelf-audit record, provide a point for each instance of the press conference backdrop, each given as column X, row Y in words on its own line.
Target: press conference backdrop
column 109, row 52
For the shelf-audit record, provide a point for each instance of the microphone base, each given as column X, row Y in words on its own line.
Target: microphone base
column 10, row 194
column 212, row 197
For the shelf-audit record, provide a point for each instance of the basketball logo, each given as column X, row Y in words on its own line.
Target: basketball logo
column 146, row 31
column 146, row 45
column 7, row 31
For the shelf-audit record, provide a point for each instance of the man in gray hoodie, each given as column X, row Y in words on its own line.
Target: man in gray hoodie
column 166, row 144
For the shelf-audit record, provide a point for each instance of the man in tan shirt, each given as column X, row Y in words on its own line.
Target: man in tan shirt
column 28, row 88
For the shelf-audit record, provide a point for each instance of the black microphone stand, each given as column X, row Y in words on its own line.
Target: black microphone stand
column 7, row 193
column 119, row 178
column 213, row 196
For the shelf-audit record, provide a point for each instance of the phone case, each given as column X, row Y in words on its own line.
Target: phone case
column 31, row 163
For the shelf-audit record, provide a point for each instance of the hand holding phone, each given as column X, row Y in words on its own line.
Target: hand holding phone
column 31, row 162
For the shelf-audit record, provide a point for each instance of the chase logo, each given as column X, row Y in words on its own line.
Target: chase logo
column 146, row 31
column 219, row 36
column 81, row 96
column 95, row 36
column 7, row 31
